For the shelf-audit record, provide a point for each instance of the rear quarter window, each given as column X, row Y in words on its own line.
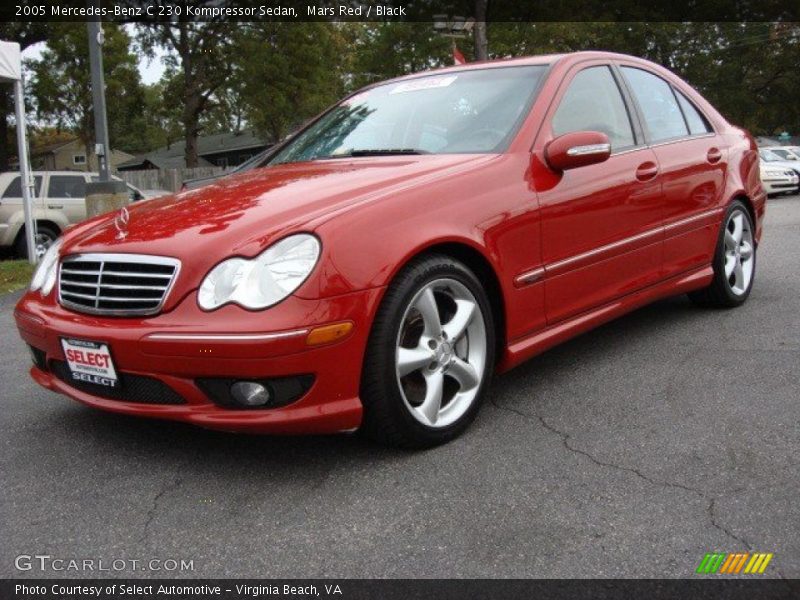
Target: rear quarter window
column 14, row 188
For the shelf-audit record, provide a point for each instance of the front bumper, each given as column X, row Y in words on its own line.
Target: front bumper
column 186, row 344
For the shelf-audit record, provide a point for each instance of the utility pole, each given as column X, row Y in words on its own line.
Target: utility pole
column 479, row 32
column 101, row 148
column 106, row 194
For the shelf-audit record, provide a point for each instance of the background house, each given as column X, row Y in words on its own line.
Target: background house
column 219, row 150
column 71, row 155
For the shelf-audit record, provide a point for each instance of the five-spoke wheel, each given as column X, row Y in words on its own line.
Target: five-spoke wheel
column 430, row 354
column 739, row 252
column 441, row 352
column 734, row 261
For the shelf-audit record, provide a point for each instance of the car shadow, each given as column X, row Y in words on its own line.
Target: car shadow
column 166, row 441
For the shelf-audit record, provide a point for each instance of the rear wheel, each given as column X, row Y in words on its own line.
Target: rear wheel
column 43, row 239
column 430, row 355
column 734, row 261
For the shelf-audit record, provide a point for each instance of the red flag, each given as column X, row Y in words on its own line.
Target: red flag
column 458, row 58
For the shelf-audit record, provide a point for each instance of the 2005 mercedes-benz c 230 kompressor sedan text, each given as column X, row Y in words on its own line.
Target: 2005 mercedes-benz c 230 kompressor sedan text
column 411, row 241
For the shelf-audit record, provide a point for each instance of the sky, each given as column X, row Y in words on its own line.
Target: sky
column 150, row 70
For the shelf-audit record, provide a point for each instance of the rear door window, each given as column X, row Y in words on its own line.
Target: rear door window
column 662, row 115
column 66, row 186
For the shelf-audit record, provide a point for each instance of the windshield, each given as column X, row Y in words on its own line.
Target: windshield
column 785, row 154
column 463, row 112
column 768, row 155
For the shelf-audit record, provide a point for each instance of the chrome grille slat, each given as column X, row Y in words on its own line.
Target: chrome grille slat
column 116, row 284
column 156, row 275
column 66, row 293
column 71, row 272
column 117, row 299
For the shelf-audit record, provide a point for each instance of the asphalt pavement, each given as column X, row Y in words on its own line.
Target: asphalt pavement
column 630, row 451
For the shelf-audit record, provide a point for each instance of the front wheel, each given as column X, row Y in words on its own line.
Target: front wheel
column 734, row 261
column 429, row 357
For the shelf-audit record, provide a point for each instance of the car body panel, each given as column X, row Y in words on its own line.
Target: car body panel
column 567, row 251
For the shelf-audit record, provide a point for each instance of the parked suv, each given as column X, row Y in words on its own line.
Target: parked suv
column 59, row 201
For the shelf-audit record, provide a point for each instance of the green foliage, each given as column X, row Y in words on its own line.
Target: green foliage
column 61, row 85
column 223, row 76
column 288, row 72
column 747, row 70
column 14, row 275
column 200, row 64
column 383, row 50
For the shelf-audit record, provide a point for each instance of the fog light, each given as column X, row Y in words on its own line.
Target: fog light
column 249, row 393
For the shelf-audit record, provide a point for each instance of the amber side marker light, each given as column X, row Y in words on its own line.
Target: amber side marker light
column 329, row 333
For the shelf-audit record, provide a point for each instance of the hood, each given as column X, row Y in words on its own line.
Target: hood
column 242, row 214
column 781, row 164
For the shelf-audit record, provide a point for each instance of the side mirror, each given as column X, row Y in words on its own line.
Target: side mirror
column 578, row 149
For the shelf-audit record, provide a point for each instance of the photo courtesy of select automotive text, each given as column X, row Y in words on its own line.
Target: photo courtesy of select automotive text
column 400, row 299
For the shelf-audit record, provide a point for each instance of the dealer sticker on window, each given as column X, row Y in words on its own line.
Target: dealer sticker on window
column 424, row 83
column 90, row 362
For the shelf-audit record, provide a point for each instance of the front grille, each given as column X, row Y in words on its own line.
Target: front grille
column 131, row 388
column 116, row 284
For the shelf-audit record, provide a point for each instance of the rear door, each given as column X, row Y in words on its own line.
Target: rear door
column 601, row 224
column 67, row 193
column 693, row 161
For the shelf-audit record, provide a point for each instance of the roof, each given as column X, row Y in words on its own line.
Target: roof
column 172, row 156
column 52, row 147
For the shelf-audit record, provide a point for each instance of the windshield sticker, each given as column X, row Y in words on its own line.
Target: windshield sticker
column 352, row 100
column 426, row 83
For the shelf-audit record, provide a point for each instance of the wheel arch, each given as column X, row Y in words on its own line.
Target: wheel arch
column 479, row 264
column 751, row 209
column 40, row 223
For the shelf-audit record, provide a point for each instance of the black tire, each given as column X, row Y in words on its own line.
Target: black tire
column 387, row 419
column 44, row 232
column 720, row 293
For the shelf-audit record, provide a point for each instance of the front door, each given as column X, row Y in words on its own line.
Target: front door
column 601, row 224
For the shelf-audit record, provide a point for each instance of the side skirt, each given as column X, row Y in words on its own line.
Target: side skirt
column 521, row 349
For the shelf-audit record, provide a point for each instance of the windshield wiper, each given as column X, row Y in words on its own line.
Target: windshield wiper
column 383, row 152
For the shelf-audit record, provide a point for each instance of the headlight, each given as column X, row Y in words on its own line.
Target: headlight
column 262, row 281
column 44, row 278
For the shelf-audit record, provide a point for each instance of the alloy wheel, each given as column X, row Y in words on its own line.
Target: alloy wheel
column 739, row 251
column 440, row 356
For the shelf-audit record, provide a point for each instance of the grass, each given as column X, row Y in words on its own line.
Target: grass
column 14, row 275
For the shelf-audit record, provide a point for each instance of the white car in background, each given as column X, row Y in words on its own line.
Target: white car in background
column 59, row 201
column 788, row 153
column 779, row 180
column 773, row 159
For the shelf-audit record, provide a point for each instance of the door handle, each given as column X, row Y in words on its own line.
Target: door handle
column 646, row 171
column 55, row 206
column 714, row 155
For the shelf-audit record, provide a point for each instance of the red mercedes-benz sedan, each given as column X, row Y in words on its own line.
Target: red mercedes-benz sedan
column 414, row 239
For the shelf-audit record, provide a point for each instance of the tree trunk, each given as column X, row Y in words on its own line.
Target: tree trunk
column 190, row 153
column 479, row 30
column 191, row 127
